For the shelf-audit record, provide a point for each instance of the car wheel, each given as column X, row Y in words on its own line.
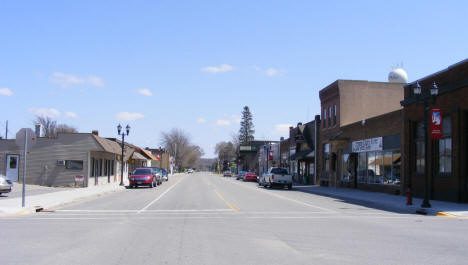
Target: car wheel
column 289, row 186
column 270, row 185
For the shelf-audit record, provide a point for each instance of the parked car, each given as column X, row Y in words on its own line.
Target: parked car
column 189, row 170
column 227, row 173
column 5, row 185
column 277, row 176
column 142, row 176
column 250, row 176
column 158, row 173
column 240, row 175
column 164, row 174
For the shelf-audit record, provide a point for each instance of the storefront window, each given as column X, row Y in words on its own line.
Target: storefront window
column 387, row 174
column 345, row 175
column 445, row 146
column 420, row 148
column 371, row 167
column 396, row 167
column 362, row 168
column 326, row 157
column 379, row 167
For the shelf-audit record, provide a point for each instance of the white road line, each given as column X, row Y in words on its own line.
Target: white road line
column 285, row 198
column 220, row 217
column 159, row 197
column 150, row 211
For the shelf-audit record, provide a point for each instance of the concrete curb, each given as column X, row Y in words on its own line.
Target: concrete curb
column 374, row 204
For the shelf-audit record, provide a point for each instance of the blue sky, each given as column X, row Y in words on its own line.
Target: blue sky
column 193, row 65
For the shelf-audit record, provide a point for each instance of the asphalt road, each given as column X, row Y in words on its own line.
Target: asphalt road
column 208, row 219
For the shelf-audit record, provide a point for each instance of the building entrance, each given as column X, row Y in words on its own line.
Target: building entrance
column 12, row 167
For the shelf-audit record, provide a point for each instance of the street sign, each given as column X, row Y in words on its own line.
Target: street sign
column 25, row 133
column 79, row 178
column 25, row 139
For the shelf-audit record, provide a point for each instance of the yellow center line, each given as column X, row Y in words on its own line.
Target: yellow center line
column 233, row 207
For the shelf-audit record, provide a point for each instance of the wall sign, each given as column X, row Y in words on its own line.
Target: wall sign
column 367, row 145
column 436, row 124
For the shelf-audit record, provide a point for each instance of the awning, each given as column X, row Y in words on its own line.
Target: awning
column 302, row 154
column 138, row 156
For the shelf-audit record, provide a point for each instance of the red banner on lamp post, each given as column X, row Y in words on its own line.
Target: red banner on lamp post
column 270, row 155
column 436, row 124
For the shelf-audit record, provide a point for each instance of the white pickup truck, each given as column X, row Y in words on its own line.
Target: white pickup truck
column 277, row 176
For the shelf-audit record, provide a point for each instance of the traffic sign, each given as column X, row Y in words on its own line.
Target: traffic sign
column 28, row 134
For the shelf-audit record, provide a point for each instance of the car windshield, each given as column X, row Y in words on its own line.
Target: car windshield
column 142, row 171
column 156, row 169
column 281, row 171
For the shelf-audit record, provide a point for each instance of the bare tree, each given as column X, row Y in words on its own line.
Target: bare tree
column 48, row 125
column 64, row 128
column 225, row 151
column 179, row 145
column 51, row 128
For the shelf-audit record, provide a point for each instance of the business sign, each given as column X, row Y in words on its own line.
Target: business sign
column 247, row 148
column 368, row 145
column 79, row 178
column 436, row 124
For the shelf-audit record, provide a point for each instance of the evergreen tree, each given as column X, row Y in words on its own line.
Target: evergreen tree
column 246, row 131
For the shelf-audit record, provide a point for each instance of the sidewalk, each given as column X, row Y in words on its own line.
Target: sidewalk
column 49, row 198
column 54, row 198
column 395, row 203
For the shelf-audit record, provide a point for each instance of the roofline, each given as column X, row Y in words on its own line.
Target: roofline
column 450, row 67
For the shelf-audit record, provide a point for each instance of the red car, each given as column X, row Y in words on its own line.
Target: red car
column 250, row 176
column 142, row 176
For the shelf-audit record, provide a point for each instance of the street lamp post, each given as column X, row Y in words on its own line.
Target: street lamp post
column 424, row 98
column 119, row 132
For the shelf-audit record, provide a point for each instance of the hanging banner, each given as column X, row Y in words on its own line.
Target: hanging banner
column 270, row 155
column 436, row 124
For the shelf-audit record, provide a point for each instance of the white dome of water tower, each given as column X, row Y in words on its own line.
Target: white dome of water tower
column 398, row 75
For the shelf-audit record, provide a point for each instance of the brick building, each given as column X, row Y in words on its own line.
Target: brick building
column 360, row 135
column 447, row 166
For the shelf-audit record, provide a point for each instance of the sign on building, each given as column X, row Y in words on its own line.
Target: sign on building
column 367, row 145
column 436, row 124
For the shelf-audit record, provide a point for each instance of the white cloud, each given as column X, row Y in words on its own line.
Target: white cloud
column 6, row 92
column 282, row 129
column 70, row 114
column 201, row 120
column 270, row 71
column 145, row 92
column 129, row 116
column 217, row 69
column 236, row 118
column 223, row 122
column 66, row 80
column 43, row 112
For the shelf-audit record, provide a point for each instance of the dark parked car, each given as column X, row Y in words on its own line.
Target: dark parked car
column 142, row 176
column 240, row 175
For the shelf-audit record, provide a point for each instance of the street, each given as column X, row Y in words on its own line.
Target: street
column 203, row 218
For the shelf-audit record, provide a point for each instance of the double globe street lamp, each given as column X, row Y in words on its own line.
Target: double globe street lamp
column 425, row 98
column 119, row 132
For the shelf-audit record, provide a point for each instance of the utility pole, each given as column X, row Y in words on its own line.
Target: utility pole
column 6, row 131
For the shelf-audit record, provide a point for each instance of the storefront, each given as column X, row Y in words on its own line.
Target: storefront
column 366, row 155
column 373, row 161
column 442, row 161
